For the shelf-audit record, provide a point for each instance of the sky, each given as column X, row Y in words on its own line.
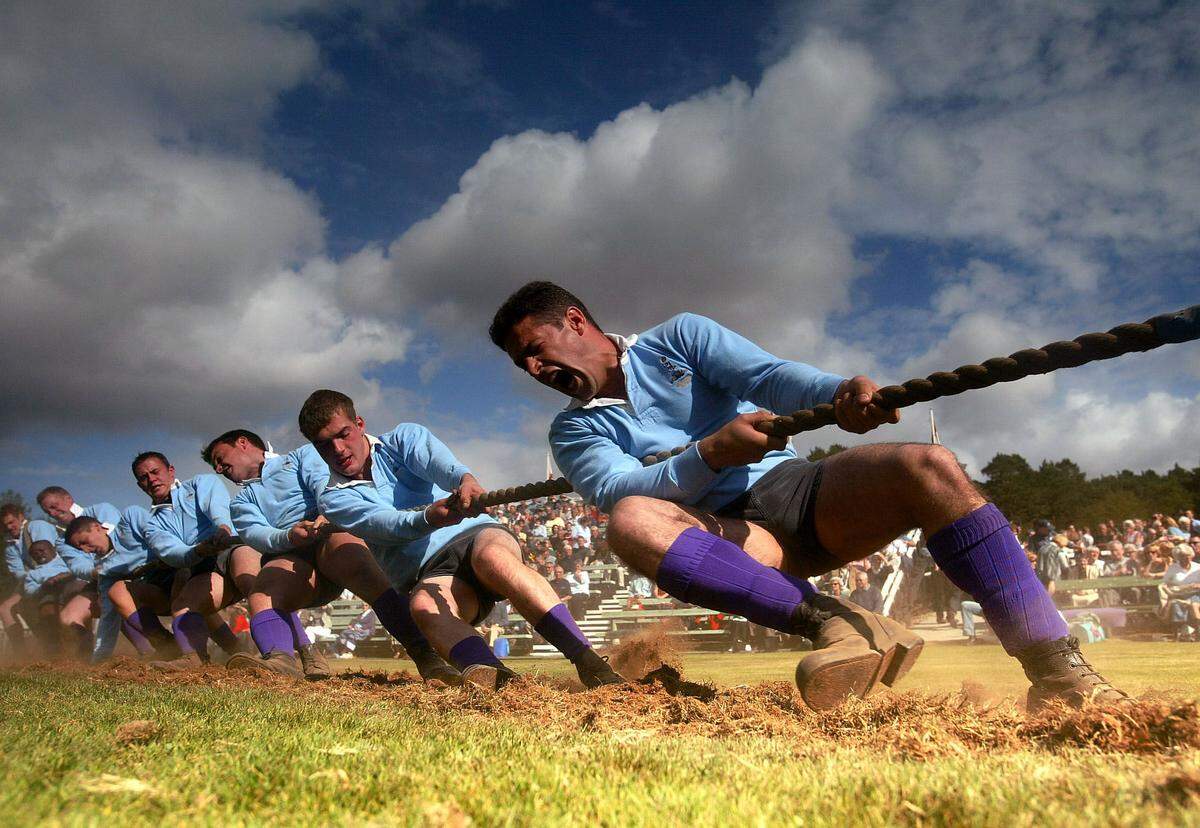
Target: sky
column 209, row 209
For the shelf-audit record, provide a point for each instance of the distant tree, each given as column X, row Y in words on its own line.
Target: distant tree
column 821, row 453
column 10, row 496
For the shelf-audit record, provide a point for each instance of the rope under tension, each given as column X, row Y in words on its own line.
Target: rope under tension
column 1169, row 328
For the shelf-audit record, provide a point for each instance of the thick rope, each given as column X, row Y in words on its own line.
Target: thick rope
column 1169, row 328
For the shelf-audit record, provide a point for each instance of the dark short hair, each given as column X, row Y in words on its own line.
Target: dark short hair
column 229, row 438
column 148, row 455
column 11, row 509
column 78, row 525
column 51, row 490
column 319, row 409
column 544, row 301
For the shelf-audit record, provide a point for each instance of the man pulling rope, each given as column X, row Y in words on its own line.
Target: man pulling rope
column 736, row 522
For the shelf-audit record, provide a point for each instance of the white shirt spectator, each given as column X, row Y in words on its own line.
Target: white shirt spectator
column 1177, row 575
column 580, row 582
column 640, row 586
column 578, row 530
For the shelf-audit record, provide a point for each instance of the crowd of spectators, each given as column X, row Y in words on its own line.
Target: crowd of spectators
column 563, row 541
column 1163, row 548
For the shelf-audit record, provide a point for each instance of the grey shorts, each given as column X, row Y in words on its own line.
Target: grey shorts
column 455, row 559
column 784, row 502
column 161, row 578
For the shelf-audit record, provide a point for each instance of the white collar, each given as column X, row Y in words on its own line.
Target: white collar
column 76, row 509
column 169, row 503
column 267, row 455
column 337, row 480
column 623, row 343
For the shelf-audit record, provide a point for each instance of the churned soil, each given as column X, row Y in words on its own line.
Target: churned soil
column 663, row 703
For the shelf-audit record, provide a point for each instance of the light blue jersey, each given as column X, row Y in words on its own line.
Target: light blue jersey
column 285, row 494
column 37, row 575
column 16, row 551
column 130, row 551
column 684, row 380
column 81, row 564
column 196, row 508
column 409, row 467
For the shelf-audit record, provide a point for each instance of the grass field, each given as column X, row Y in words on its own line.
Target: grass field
column 226, row 749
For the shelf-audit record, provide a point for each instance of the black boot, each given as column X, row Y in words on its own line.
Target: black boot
column 594, row 671
column 1059, row 672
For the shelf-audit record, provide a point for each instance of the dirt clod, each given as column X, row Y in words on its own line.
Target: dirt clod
column 137, row 732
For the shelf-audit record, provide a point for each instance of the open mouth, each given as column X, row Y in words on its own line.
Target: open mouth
column 565, row 381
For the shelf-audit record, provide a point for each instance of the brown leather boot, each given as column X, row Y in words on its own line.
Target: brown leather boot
column 854, row 651
column 488, row 676
column 1059, row 672
column 281, row 664
column 313, row 662
column 187, row 661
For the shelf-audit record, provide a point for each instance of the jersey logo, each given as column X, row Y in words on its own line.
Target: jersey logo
column 677, row 376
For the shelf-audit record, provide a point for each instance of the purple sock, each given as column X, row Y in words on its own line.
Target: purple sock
column 136, row 637
column 299, row 636
column 473, row 650
column 980, row 556
column 559, row 628
column 391, row 608
column 271, row 632
column 709, row 571
column 225, row 638
column 191, row 633
column 143, row 626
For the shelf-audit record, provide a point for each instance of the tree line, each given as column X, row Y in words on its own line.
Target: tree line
column 1060, row 491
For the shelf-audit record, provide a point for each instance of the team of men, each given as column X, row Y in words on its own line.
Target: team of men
column 736, row 523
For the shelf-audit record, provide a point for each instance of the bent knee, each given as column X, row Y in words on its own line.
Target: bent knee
column 929, row 464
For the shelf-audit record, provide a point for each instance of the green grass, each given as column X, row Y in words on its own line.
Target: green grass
column 943, row 667
column 235, row 754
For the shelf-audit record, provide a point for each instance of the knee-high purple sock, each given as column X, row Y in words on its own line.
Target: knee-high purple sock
column 980, row 556
column 225, row 638
column 709, row 571
column 191, row 633
column 559, row 628
column 271, row 632
column 391, row 608
column 136, row 637
column 473, row 650
column 144, row 631
column 299, row 636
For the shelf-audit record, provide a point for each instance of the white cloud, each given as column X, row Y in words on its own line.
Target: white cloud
column 154, row 271
column 722, row 201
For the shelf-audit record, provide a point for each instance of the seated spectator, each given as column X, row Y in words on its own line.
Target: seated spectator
column 970, row 610
column 1090, row 569
column 865, row 594
column 1180, row 593
column 579, row 599
column 562, row 587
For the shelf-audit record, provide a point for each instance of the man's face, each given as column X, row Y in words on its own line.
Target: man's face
column 567, row 356
column 237, row 462
column 342, row 444
column 91, row 539
column 58, row 507
column 155, row 478
column 41, row 552
column 12, row 525
column 558, row 572
column 861, row 580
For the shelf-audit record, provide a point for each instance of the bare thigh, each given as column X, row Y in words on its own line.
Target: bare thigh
column 284, row 584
